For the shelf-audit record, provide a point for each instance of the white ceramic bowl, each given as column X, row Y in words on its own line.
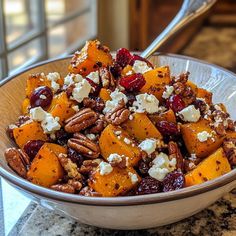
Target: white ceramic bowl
column 134, row 212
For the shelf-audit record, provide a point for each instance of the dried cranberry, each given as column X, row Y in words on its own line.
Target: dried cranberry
column 131, row 98
column 133, row 83
column 173, row 181
column 143, row 168
column 123, row 57
column 116, row 70
column 75, row 156
column 62, row 137
column 149, row 185
column 167, row 128
column 176, row 103
column 41, row 97
column 96, row 87
column 136, row 57
column 32, row 147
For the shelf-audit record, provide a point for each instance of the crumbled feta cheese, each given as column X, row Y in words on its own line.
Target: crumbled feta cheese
column 131, row 117
column 127, row 141
column 48, row 122
column 53, row 77
column 193, row 157
column 145, row 102
column 141, row 67
column 114, row 158
column 42, row 96
column 169, row 90
column 91, row 136
column 148, row 145
column 105, row 168
column 190, row 114
column 72, row 79
column 75, row 108
column 81, row 90
column 117, row 132
column 162, row 166
column 130, row 72
column 116, row 97
column 133, row 178
column 203, row 136
column 94, row 76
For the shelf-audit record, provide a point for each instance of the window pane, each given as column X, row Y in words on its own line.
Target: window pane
column 21, row 18
column 68, row 35
column 57, row 9
column 24, row 56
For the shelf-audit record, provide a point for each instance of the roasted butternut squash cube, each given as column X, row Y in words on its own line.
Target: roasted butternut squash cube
column 156, row 80
column 192, row 86
column 127, row 69
column 167, row 116
column 140, row 127
column 113, row 139
column 230, row 134
column 191, row 132
column 116, row 183
column 104, row 94
column 27, row 132
column 25, row 106
column 203, row 93
column 62, row 107
column 212, row 167
column 45, row 169
column 90, row 58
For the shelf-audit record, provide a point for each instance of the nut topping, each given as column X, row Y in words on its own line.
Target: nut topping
column 89, row 192
column 229, row 146
column 65, row 188
column 89, row 165
column 95, row 104
column 18, row 160
column 174, row 152
column 118, row 115
column 106, row 78
column 81, row 120
column 84, row 146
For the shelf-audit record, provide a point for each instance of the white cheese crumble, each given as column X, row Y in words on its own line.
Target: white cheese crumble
column 42, row 96
column 116, row 97
column 133, row 178
column 203, row 136
column 190, row 114
column 48, row 122
column 81, row 90
column 141, row 67
column 127, row 141
column 75, row 108
column 94, row 76
column 145, row 103
column 72, row 79
column 114, row 158
column 161, row 166
column 91, row 136
column 105, row 168
column 54, row 77
column 148, row 145
column 168, row 91
column 117, row 132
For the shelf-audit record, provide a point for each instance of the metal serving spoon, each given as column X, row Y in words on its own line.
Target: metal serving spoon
column 190, row 10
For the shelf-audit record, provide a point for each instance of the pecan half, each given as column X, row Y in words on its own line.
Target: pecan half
column 95, row 104
column 18, row 160
column 99, row 126
column 229, row 146
column 89, row 165
column 81, row 120
column 84, row 146
column 118, row 115
column 65, row 188
column 69, row 166
column 89, row 192
column 106, row 78
column 77, row 185
column 174, row 152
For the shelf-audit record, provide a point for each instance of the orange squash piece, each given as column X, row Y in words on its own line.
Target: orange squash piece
column 27, row 132
column 192, row 86
column 127, row 69
column 25, row 106
column 112, row 140
column 62, row 107
column 203, row 93
column 167, row 116
column 104, row 94
column 212, row 167
column 45, row 169
column 118, row 182
column 156, row 80
column 141, row 127
column 190, row 136
column 90, row 58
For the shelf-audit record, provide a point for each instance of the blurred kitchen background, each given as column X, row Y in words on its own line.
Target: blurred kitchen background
column 34, row 30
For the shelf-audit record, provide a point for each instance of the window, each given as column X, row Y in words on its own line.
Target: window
column 33, row 30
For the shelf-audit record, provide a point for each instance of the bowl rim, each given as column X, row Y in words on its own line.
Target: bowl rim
column 47, row 193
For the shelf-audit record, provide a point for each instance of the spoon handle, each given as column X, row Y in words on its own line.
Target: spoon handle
column 189, row 10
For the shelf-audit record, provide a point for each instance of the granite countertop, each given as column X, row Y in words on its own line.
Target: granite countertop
column 25, row 218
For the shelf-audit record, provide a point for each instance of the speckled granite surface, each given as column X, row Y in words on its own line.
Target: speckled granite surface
column 216, row 45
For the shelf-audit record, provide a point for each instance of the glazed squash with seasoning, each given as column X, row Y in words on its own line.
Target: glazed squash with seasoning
column 45, row 169
column 116, row 183
column 104, row 94
column 115, row 140
column 210, row 168
column 27, row 132
column 140, row 127
column 206, row 95
column 25, row 106
column 90, row 58
column 190, row 133
column 156, row 80
column 168, row 115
